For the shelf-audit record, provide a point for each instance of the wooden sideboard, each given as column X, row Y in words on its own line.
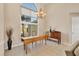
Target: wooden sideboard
column 56, row 35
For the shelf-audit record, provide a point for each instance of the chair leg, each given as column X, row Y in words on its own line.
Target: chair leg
column 35, row 43
column 40, row 41
column 45, row 42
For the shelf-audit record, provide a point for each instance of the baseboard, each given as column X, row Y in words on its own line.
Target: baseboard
column 15, row 45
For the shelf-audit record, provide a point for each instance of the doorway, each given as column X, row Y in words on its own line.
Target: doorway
column 75, row 28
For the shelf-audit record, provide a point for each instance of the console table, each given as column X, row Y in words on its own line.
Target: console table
column 56, row 35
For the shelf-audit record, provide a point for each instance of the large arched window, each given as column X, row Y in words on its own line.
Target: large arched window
column 29, row 20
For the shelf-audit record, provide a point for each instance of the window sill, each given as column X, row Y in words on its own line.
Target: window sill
column 28, row 37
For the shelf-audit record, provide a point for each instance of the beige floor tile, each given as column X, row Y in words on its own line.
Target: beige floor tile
column 51, row 49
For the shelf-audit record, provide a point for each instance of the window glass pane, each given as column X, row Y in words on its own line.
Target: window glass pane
column 25, row 11
column 33, row 14
column 33, row 20
column 29, row 30
column 34, row 30
column 29, row 21
column 26, row 30
column 26, row 18
column 30, row 6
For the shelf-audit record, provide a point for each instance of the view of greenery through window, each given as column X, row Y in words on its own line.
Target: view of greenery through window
column 28, row 20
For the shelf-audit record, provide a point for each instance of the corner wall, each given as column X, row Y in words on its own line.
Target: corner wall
column 12, row 19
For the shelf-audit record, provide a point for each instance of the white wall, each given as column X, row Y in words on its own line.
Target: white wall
column 41, row 21
column 12, row 19
column 1, row 30
column 58, row 16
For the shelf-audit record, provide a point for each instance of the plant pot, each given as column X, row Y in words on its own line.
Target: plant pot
column 9, row 43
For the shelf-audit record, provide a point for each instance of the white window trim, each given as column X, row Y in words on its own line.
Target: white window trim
column 33, row 24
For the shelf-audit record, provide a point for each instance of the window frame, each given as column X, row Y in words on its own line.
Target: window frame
column 37, row 24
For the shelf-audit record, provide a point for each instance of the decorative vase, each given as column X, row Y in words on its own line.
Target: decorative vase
column 9, row 35
column 9, row 43
column 50, row 29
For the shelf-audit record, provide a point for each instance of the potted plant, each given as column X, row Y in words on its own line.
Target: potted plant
column 9, row 35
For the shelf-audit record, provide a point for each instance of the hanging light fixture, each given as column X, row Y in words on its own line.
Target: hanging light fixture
column 41, row 13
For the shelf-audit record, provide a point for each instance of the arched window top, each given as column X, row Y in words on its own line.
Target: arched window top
column 31, row 6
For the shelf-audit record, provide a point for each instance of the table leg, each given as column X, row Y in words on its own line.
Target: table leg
column 32, row 44
column 42, row 41
column 26, row 48
column 35, row 43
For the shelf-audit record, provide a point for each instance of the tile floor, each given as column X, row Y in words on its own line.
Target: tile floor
column 51, row 49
